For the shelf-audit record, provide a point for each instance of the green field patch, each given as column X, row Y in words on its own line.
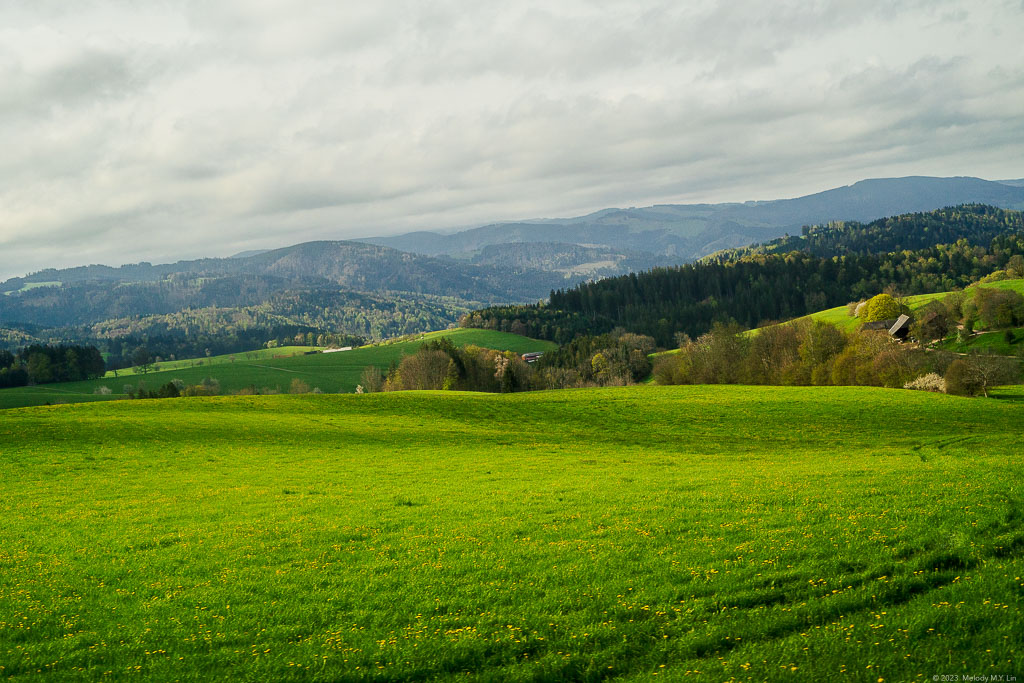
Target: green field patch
column 747, row 533
column 338, row 372
column 34, row 285
column 987, row 342
column 841, row 318
column 241, row 356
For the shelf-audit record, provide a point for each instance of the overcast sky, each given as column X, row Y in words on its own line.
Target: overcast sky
column 157, row 130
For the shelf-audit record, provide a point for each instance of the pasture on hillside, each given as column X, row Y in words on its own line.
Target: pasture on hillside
column 255, row 354
column 724, row 533
column 330, row 372
column 840, row 317
column 997, row 343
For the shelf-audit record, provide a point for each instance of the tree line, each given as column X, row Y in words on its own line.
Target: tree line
column 614, row 359
column 816, row 353
column 42, row 364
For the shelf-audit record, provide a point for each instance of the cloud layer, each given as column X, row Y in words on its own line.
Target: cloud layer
column 156, row 131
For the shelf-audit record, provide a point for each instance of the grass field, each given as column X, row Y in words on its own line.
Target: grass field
column 723, row 533
column 987, row 342
column 256, row 354
column 330, row 372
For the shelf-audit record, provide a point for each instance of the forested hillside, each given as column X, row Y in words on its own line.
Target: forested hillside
column 320, row 316
column 333, row 288
column 573, row 261
column 766, row 285
column 349, row 265
column 978, row 224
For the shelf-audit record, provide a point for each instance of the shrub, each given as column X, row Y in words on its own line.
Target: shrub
column 933, row 323
column 995, row 276
column 371, row 380
column 999, row 308
column 169, row 390
column 103, row 391
column 1015, row 266
column 892, row 368
column 881, row 307
column 666, row 370
column 299, row 386
column 961, row 379
column 977, row 373
column 208, row 387
column 821, row 343
column 425, row 369
column 930, row 382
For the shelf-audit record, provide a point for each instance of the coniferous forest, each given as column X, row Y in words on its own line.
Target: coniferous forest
column 783, row 279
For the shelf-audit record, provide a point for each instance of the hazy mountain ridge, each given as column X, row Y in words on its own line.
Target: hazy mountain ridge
column 690, row 231
column 349, row 265
column 571, row 260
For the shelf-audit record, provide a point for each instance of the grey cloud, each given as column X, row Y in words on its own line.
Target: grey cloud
column 87, row 78
column 235, row 124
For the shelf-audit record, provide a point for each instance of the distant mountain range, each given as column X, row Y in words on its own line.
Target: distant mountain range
column 685, row 232
column 352, row 266
column 314, row 283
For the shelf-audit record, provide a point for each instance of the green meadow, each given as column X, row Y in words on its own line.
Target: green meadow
column 720, row 533
column 33, row 285
column 988, row 342
column 268, row 370
column 277, row 352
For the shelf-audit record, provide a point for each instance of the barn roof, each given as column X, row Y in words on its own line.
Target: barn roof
column 902, row 324
column 879, row 324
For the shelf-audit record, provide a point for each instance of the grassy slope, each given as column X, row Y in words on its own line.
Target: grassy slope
column 743, row 533
column 33, row 285
column 331, row 372
column 840, row 318
column 987, row 342
column 255, row 354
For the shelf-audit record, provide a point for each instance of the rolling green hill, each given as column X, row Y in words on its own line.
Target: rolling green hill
column 255, row 354
column 728, row 533
column 330, row 372
column 839, row 316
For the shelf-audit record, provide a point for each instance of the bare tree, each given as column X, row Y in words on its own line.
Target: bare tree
column 371, row 380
